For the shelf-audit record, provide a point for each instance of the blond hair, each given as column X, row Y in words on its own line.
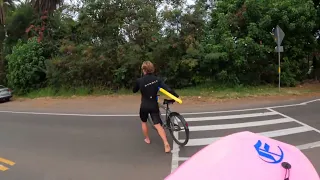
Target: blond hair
column 147, row 67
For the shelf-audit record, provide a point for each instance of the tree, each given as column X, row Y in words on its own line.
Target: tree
column 18, row 21
column 4, row 6
column 243, row 27
column 46, row 5
column 44, row 9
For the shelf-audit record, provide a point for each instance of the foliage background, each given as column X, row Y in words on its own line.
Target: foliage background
column 226, row 42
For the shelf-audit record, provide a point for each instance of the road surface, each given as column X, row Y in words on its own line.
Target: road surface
column 78, row 147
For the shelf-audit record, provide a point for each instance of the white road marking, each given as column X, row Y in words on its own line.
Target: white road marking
column 68, row 114
column 239, row 125
column 175, row 153
column 285, row 132
column 309, row 145
column 237, row 116
column 276, row 133
column 253, row 109
column 135, row 115
column 307, row 102
column 182, row 159
column 299, row 122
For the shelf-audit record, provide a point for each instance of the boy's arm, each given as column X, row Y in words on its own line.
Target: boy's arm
column 167, row 88
column 136, row 86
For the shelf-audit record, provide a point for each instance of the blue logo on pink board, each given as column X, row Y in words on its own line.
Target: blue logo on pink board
column 266, row 155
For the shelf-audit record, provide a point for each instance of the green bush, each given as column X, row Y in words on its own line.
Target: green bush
column 26, row 68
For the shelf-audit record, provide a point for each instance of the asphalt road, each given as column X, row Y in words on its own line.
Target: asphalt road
column 60, row 147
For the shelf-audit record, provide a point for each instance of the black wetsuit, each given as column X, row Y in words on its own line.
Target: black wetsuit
column 148, row 85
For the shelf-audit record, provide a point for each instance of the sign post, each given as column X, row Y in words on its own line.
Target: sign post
column 278, row 37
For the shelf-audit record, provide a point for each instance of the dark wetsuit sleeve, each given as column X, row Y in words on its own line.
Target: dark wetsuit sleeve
column 167, row 88
column 136, row 86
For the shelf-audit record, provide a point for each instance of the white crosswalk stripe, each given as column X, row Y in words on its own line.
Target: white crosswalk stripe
column 238, row 125
column 282, row 132
column 204, row 130
column 230, row 116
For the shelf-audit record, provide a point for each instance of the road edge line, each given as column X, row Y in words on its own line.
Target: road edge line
column 136, row 115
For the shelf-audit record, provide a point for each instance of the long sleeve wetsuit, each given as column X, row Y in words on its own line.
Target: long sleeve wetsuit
column 149, row 85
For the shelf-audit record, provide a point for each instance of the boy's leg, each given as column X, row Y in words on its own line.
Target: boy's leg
column 144, row 126
column 157, row 120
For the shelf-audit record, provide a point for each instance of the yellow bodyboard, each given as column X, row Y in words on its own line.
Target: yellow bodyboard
column 170, row 95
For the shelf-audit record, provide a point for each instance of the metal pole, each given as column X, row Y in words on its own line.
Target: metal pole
column 278, row 39
column 279, row 70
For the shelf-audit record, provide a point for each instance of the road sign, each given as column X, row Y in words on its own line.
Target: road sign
column 278, row 49
column 278, row 35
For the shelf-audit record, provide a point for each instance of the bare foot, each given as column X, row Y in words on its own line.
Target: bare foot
column 167, row 148
column 147, row 140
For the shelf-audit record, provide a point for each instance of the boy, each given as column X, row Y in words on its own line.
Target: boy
column 148, row 85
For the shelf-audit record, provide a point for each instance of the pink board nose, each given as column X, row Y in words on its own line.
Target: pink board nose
column 246, row 156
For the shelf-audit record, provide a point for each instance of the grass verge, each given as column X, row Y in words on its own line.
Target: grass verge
column 222, row 92
column 212, row 91
column 67, row 92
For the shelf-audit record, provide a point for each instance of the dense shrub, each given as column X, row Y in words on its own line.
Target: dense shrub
column 26, row 68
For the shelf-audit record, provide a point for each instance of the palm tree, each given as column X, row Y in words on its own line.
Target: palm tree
column 46, row 5
column 43, row 8
column 4, row 5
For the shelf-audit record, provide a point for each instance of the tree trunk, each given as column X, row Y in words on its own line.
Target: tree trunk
column 2, row 58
